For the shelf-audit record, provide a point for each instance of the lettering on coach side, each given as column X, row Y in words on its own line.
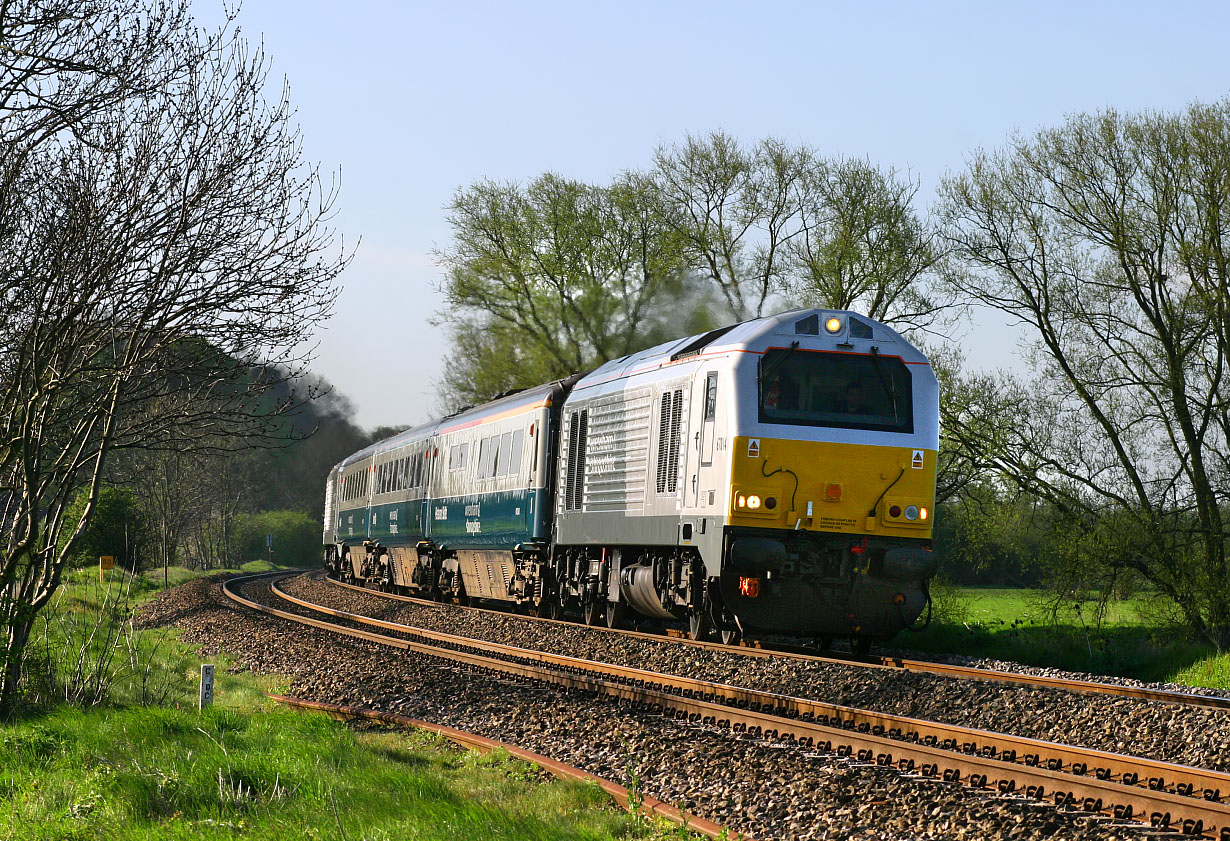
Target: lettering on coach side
column 473, row 510
column 442, row 512
column 474, row 527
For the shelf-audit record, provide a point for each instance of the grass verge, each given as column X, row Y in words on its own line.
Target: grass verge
column 246, row 768
column 1027, row 626
column 165, row 773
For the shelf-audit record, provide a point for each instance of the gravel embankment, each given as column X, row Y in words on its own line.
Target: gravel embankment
column 770, row 791
column 1188, row 736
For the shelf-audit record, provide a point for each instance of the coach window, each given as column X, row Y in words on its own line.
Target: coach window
column 518, row 444
column 506, row 453
column 484, row 458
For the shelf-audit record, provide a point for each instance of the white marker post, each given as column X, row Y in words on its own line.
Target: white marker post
column 207, row 685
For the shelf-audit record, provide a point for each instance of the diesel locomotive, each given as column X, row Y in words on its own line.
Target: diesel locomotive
column 773, row 476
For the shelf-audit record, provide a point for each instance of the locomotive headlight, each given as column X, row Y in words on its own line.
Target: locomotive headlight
column 911, row 512
column 922, row 513
column 753, row 502
column 741, row 501
column 833, row 325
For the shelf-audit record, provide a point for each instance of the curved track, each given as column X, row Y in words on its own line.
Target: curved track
column 1159, row 794
column 871, row 662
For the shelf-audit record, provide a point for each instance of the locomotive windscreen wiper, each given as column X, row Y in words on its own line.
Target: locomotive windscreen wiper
column 772, row 368
column 887, row 380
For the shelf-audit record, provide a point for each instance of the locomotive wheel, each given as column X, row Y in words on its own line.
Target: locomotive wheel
column 698, row 625
column 614, row 614
column 592, row 612
column 731, row 635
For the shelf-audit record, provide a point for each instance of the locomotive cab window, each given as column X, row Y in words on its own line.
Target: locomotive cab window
column 820, row 388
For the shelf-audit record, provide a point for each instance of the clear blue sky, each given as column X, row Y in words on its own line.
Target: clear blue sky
column 412, row 101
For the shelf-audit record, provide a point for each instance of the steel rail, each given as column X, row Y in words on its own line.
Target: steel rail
column 1126, row 795
column 1167, row 696
column 482, row 744
column 1057, row 757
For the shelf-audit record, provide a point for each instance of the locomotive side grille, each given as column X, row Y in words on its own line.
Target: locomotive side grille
column 617, row 451
column 668, row 441
column 570, row 473
column 664, row 428
column 672, row 454
column 578, row 489
column 574, row 481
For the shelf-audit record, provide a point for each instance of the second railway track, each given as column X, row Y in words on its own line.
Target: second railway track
column 1161, row 795
column 1168, row 696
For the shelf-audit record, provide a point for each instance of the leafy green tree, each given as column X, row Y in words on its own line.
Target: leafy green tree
column 567, row 274
column 735, row 209
column 1107, row 237
column 572, row 266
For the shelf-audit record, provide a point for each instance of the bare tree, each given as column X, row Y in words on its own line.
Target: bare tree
column 165, row 256
column 862, row 246
column 735, row 210
column 1108, row 237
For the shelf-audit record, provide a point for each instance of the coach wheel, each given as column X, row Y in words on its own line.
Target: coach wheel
column 860, row 646
column 614, row 614
column 698, row 625
column 548, row 607
column 823, row 642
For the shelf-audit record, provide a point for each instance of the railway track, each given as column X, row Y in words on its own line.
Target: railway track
column 1163, row 796
column 872, row 662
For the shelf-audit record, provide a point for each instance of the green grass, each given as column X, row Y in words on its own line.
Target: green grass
column 246, row 767
column 84, row 581
column 164, row 773
column 1027, row 626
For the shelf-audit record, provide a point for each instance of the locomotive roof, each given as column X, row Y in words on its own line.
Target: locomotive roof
column 758, row 334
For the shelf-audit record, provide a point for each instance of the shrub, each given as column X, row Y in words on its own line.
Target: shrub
column 117, row 527
column 296, row 537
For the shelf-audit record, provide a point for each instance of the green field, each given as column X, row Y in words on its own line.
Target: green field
column 246, row 769
column 1120, row 638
